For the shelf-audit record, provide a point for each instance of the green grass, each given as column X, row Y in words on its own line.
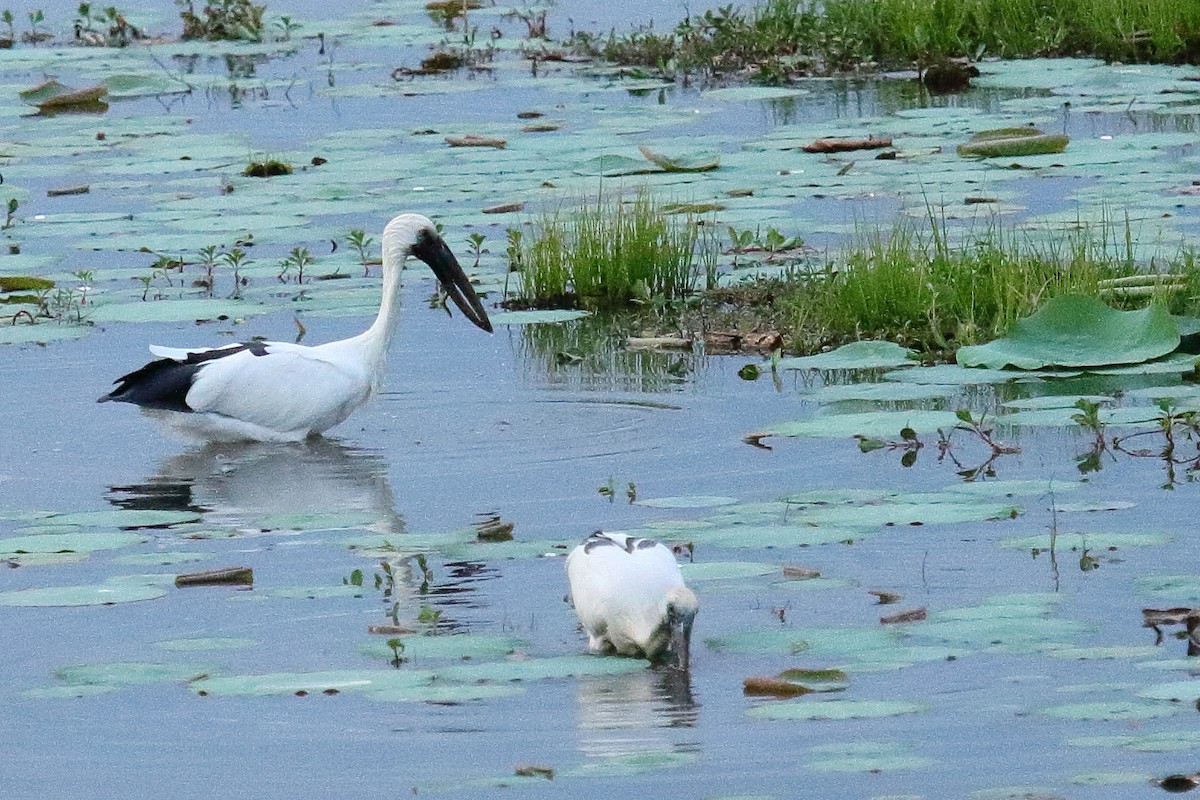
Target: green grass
column 777, row 39
column 914, row 286
column 609, row 252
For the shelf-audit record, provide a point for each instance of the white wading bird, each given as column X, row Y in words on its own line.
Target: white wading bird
column 282, row 392
column 629, row 595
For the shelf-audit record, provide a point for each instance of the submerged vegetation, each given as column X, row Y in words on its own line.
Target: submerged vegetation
column 778, row 39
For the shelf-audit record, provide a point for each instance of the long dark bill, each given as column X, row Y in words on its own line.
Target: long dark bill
column 432, row 249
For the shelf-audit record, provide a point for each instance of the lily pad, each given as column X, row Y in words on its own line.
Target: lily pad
column 100, row 595
column 129, row 673
column 69, row 542
column 688, row 162
column 856, row 355
column 1078, row 331
column 809, row 709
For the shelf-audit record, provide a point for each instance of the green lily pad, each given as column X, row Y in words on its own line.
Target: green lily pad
column 417, row 648
column 1091, row 541
column 1078, row 331
column 129, row 673
column 810, row 709
column 327, row 682
column 547, row 316
column 101, row 595
column 856, row 355
column 1119, row 710
column 125, row 518
column 69, row 542
column 41, row 333
column 873, row 424
column 683, row 162
column 688, row 501
column 725, row 570
column 174, row 310
column 532, row 669
column 1177, row 691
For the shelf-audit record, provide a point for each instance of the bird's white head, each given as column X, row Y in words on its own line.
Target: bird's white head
column 415, row 235
column 680, row 613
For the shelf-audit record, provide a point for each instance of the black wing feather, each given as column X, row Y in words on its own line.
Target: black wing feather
column 164, row 382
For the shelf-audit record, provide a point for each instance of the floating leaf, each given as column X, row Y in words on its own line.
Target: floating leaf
column 856, row 355
column 872, row 424
column 69, row 542
column 689, row 501
column 129, row 673
column 811, row 709
column 53, row 95
column 1013, row 142
column 691, row 162
column 1078, row 331
column 102, row 595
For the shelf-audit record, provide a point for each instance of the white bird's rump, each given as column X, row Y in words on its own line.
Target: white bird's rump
column 277, row 391
column 630, row 596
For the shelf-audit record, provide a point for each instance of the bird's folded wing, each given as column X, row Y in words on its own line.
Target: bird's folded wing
column 182, row 353
column 288, row 388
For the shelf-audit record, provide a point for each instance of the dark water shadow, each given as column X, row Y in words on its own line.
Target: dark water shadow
column 246, row 483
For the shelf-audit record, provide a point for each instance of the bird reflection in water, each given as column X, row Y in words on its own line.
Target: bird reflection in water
column 277, row 488
column 245, row 484
column 648, row 711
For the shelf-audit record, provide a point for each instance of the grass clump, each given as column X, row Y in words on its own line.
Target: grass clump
column 774, row 40
column 222, row 20
column 913, row 287
column 611, row 252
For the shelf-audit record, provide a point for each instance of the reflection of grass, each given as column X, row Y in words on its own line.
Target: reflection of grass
column 611, row 252
column 913, row 286
column 778, row 38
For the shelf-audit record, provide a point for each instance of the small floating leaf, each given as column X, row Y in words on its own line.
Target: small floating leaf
column 856, row 355
column 691, row 162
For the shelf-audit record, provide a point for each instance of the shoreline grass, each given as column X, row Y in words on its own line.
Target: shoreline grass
column 775, row 40
column 915, row 287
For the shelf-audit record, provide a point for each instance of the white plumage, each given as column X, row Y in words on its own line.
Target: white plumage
column 276, row 391
column 630, row 596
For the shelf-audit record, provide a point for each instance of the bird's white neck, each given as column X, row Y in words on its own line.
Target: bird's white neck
column 378, row 337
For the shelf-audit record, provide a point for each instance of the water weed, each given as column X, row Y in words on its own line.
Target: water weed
column 610, row 252
column 778, row 39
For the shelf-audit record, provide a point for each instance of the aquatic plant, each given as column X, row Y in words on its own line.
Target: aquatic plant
column 228, row 20
column 777, row 39
column 299, row 258
column 913, row 286
column 610, row 252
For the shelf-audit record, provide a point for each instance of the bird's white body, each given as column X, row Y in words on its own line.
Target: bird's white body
column 630, row 597
column 277, row 391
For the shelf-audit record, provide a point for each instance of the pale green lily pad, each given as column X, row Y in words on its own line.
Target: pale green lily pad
column 1090, row 541
column 125, row 518
column 41, row 333
column 453, row 646
column 43, row 559
column 532, row 669
column 1155, row 742
column 1028, row 487
column 856, row 355
column 69, row 542
column 102, row 595
column 1111, row 653
column 953, row 375
column 807, row 709
column 741, row 93
column 130, row 673
column 1178, row 691
column 162, row 559
column 327, row 682
column 206, row 643
column 915, row 513
column 768, row 536
column 1117, row 710
column 69, row 692
column 687, row 501
column 725, row 570
column 634, row 763
column 447, row 694
column 1078, row 331
column 174, row 310
column 874, row 424
column 548, row 316
column 614, row 166
column 866, row 756
column 1111, row 779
